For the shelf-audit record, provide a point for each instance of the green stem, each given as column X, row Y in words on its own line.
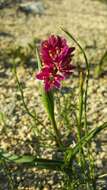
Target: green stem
column 87, row 76
column 98, row 69
column 57, row 134
column 80, row 106
column 49, row 105
column 81, row 92
column 23, row 99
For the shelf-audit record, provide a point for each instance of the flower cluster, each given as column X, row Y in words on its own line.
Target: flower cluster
column 56, row 61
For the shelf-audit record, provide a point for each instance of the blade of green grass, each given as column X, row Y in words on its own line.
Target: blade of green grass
column 32, row 161
column 71, row 153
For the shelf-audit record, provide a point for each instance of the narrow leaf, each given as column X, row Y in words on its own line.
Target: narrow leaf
column 38, row 60
column 32, row 161
column 71, row 153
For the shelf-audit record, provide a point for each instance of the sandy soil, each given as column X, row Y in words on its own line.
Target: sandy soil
column 85, row 19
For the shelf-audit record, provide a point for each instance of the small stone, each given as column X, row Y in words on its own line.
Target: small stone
column 104, row 110
column 32, row 8
column 47, row 187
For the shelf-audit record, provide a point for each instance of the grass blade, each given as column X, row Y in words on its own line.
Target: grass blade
column 71, row 153
column 32, row 161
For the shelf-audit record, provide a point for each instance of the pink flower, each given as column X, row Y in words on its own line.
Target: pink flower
column 56, row 60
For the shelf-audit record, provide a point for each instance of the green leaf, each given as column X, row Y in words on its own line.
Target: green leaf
column 99, row 68
column 38, row 60
column 32, row 161
column 71, row 153
column 47, row 100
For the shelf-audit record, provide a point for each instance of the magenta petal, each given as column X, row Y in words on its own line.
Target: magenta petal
column 57, row 83
column 56, row 58
column 46, row 70
column 44, row 44
column 70, row 50
column 40, row 76
column 45, row 73
column 53, row 40
column 48, row 86
column 59, row 77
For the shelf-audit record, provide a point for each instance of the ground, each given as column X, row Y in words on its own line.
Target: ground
column 87, row 21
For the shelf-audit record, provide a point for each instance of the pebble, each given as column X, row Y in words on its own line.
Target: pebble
column 32, row 8
column 47, row 187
